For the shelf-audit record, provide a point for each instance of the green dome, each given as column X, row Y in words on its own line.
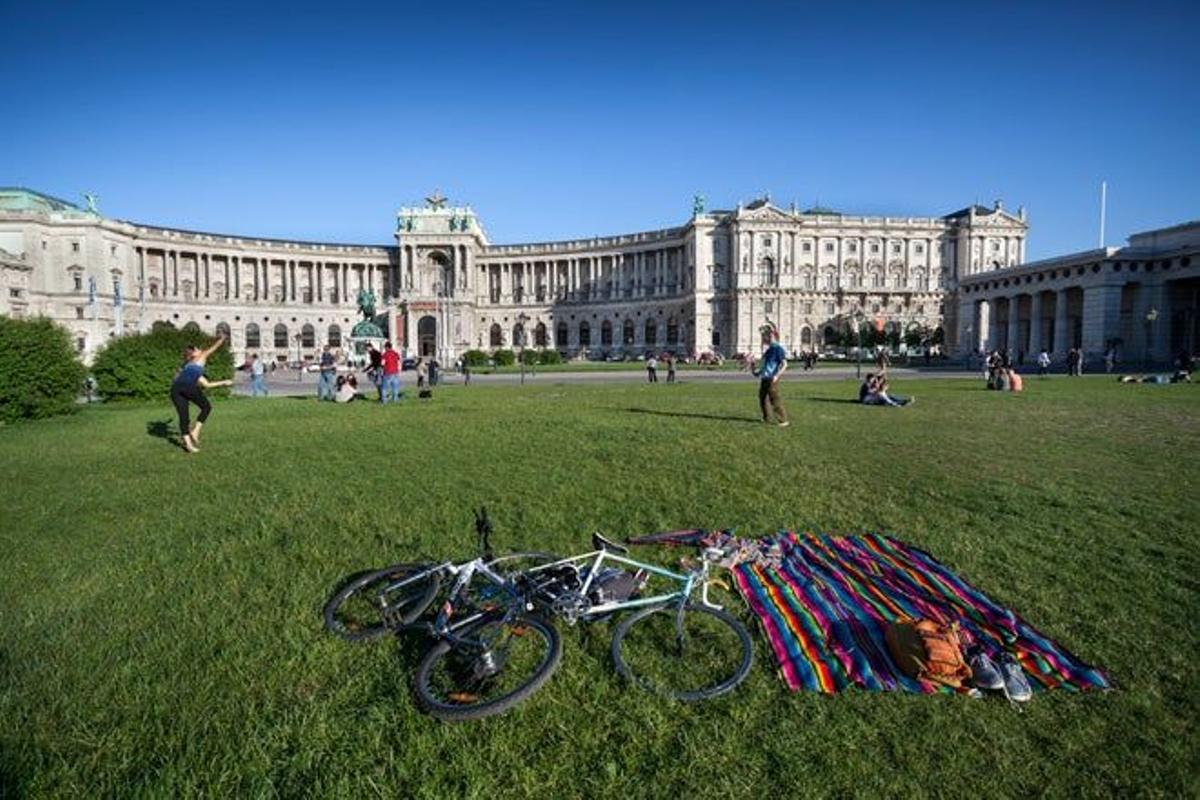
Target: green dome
column 367, row 330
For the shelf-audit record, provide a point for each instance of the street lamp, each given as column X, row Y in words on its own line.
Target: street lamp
column 1151, row 317
column 299, row 359
column 523, row 319
column 858, row 319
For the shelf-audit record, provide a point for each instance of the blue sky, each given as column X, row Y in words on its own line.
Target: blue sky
column 560, row 119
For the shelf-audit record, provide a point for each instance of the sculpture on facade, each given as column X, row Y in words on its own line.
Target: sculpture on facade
column 91, row 199
column 366, row 303
column 697, row 205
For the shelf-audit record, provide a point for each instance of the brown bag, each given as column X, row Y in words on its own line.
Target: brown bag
column 928, row 650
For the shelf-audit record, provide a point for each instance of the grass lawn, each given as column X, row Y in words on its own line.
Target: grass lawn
column 161, row 634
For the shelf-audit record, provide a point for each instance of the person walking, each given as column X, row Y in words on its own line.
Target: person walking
column 466, row 373
column 389, row 388
column 327, row 377
column 652, row 369
column 774, row 364
column 188, row 387
column 422, row 374
column 375, row 368
column 257, row 372
column 1043, row 361
column 670, row 368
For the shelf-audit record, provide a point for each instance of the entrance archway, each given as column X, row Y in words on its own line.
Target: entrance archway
column 427, row 337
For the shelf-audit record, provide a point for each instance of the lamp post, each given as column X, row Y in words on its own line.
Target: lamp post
column 858, row 318
column 299, row 358
column 522, row 318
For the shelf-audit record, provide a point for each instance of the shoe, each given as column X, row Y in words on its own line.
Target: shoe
column 784, row 424
column 1016, row 685
column 984, row 672
column 188, row 445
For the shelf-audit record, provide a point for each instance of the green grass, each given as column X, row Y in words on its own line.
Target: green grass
column 161, row 633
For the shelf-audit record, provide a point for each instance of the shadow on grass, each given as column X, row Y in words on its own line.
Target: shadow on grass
column 162, row 430
column 716, row 417
column 850, row 400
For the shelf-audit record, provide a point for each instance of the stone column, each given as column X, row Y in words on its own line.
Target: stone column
column 993, row 325
column 1062, row 336
column 1035, row 325
column 1014, row 325
column 1101, row 317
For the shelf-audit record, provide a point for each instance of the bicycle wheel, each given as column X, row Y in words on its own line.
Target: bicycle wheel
column 711, row 658
column 508, row 660
column 356, row 611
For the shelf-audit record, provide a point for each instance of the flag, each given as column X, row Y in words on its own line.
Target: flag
column 91, row 291
column 118, row 295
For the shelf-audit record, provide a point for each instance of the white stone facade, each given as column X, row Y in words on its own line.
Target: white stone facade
column 1143, row 301
column 444, row 288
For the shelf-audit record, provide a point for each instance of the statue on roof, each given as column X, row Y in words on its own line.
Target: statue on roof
column 697, row 205
column 91, row 199
column 436, row 201
column 366, row 303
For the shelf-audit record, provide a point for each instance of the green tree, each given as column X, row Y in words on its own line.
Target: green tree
column 141, row 366
column 39, row 373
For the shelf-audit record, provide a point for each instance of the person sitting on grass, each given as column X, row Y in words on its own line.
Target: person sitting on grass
column 878, row 394
column 346, row 389
column 1015, row 382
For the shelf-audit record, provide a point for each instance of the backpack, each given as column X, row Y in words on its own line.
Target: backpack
column 928, row 650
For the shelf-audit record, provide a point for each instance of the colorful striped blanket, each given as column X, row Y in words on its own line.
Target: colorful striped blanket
column 825, row 604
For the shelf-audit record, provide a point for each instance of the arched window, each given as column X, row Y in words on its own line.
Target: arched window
column 672, row 332
column 627, row 332
column 651, row 331
column 539, row 334
column 223, row 330
column 495, row 336
column 192, row 327
column 252, row 338
column 716, row 338
column 335, row 336
column 606, row 334
column 806, row 337
column 585, row 335
column 308, row 336
column 560, row 334
column 770, row 275
column 518, row 335
column 281, row 341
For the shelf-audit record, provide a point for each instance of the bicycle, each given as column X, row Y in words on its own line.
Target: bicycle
column 493, row 647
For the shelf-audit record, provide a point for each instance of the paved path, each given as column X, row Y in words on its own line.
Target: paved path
column 287, row 383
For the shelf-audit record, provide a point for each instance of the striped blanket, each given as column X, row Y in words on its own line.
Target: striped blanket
column 826, row 603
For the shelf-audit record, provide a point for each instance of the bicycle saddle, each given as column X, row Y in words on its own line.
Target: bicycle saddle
column 600, row 543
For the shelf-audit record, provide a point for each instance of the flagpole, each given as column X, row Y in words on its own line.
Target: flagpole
column 1103, row 204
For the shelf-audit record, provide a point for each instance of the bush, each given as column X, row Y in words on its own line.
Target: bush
column 529, row 357
column 475, row 358
column 39, row 373
column 504, row 358
column 550, row 357
column 141, row 366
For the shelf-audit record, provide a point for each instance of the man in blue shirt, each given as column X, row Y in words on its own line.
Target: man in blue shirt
column 772, row 366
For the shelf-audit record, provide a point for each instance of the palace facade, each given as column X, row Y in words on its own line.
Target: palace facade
column 444, row 288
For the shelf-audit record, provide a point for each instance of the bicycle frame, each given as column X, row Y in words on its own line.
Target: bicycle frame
column 597, row 558
column 463, row 574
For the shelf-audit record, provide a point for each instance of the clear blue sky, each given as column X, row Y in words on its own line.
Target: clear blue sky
column 562, row 119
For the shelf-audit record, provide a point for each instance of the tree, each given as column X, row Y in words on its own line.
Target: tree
column 141, row 366
column 40, row 375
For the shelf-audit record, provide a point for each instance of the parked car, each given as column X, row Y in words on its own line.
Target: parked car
column 408, row 363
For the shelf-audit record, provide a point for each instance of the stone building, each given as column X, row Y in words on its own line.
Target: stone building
column 1141, row 300
column 705, row 285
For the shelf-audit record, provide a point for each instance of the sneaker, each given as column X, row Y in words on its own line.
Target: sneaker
column 984, row 672
column 1016, row 685
column 784, row 424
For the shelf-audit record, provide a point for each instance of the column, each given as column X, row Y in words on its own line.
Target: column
column 1062, row 336
column 207, row 272
column 1035, row 326
column 1014, row 325
column 1101, row 317
column 993, row 325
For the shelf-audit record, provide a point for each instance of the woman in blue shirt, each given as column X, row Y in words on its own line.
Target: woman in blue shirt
column 188, row 387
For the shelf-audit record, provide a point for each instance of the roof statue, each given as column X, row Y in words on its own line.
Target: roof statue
column 436, row 201
column 697, row 205
column 91, row 199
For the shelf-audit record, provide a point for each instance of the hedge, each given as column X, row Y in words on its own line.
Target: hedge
column 39, row 373
column 550, row 357
column 141, row 366
column 475, row 358
column 504, row 358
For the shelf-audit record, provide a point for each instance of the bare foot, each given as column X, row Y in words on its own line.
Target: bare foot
column 189, row 445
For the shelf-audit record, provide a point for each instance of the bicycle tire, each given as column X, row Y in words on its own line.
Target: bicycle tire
column 677, row 666
column 344, row 618
column 462, row 709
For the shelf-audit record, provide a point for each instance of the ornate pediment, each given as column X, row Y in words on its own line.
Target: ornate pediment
column 761, row 211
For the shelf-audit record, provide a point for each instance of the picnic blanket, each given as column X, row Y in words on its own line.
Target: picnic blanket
column 825, row 601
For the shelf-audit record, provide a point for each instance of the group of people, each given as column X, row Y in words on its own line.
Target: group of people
column 1002, row 375
column 874, row 392
column 652, row 367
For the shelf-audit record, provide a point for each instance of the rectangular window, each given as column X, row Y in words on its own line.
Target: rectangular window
column 78, row 282
column 808, row 308
column 896, row 249
column 853, row 247
column 80, row 343
column 874, row 247
column 74, row 247
column 769, row 306
column 806, row 247
column 919, row 249
column 78, row 312
column 829, row 247
column 830, row 308
column 14, row 293
column 766, row 241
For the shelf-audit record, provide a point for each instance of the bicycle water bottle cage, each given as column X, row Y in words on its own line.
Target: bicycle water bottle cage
column 600, row 543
